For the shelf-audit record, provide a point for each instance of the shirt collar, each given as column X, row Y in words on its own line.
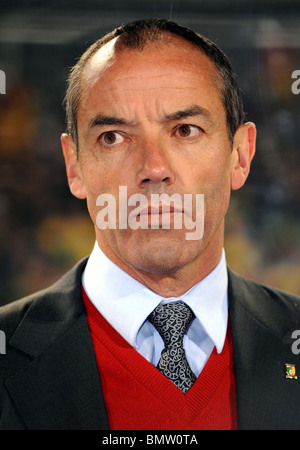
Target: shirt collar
column 122, row 300
column 126, row 303
column 209, row 301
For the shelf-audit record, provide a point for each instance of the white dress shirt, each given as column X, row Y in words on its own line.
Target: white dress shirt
column 126, row 303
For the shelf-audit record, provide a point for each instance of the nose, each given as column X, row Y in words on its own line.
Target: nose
column 155, row 167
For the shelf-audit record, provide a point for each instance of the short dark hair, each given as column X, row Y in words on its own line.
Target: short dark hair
column 136, row 35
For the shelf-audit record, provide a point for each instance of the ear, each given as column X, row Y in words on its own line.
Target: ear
column 244, row 143
column 73, row 169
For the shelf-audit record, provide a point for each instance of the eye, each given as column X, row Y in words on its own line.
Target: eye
column 188, row 130
column 111, row 138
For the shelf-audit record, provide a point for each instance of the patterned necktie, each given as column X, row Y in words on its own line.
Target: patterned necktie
column 172, row 321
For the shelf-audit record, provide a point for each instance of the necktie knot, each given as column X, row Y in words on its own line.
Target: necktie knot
column 172, row 321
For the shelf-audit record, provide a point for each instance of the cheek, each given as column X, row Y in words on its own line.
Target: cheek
column 212, row 175
column 100, row 180
column 218, row 194
column 98, row 176
column 214, row 182
column 97, row 181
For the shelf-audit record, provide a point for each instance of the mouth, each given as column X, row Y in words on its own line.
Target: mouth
column 161, row 209
column 160, row 216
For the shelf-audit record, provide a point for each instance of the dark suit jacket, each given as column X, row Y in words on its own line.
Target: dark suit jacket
column 49, row 376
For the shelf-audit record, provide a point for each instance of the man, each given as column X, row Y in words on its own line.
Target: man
column 153, row 108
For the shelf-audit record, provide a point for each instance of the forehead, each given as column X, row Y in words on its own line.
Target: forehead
column 167, row 68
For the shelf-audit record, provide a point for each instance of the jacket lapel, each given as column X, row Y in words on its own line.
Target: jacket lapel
column 262, row 323
column 59, row 387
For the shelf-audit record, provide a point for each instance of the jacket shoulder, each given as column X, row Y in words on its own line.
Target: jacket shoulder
column 45, row 300
column 272, row 307
column 12, row 313
column 245, row 285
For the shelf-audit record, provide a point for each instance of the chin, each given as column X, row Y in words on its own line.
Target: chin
column 161, row 258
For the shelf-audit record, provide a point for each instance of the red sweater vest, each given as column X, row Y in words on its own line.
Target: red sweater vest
column 139, row 397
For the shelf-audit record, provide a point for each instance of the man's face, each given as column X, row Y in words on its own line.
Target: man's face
column 154, row 121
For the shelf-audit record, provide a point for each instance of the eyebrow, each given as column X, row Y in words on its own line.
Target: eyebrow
column 190, row 112
column 101, row 119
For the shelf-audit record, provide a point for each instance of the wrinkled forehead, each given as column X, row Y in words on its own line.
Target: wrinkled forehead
column 113, row 51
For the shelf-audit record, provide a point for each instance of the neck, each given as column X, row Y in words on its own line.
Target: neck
column 175, row 285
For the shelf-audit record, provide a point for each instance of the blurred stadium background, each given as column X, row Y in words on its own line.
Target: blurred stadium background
column 44, row 230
